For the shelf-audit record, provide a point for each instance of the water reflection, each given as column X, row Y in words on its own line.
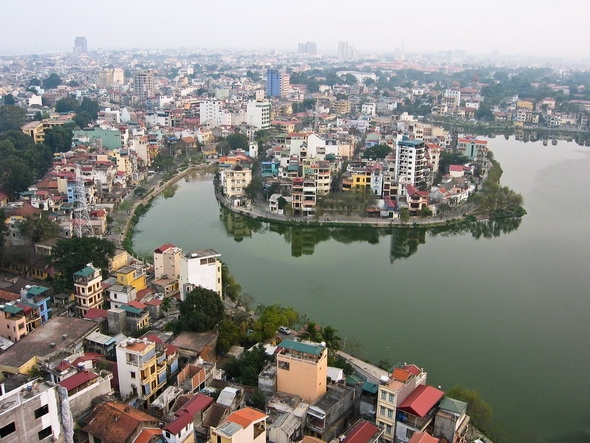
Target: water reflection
column 404, row 242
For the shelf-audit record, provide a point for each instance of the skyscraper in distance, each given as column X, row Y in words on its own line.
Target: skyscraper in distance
column 273, row 83
column 80, row 46
column 342, row 50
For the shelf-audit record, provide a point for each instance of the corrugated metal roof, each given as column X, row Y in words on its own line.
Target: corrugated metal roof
column 306, row 348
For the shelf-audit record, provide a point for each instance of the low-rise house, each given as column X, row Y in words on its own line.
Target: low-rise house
column 247, row 425
column 84, row 386
column 327, row 416
column 116, row 423
column 451, row 421
column 416, row 412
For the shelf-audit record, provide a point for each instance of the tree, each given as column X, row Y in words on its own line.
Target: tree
column 231, row 288
column 38, row 228
column 59, row 138
column 312, row 332
column 378, row 151
column 202, row 310
column 331, row 338
column 3, row 229
column 480, row 412
column 35, row 82
column 51, row 82
column 12, row 118
column 254, row 188
column 72, row 254
column 8, row 99
column 66, row 104
column 238, row 141
column 230, row 334
column 270, row 318
column 89, row 106
column 404, row 215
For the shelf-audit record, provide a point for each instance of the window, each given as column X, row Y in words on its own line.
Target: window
column 409, row 433
column 389, row 413
column 382, row 410
column 7, row 430
column 40, row 412
column 132, row 374
column 388, row 429
column 383, row 395
column 391, row 398
column 44, row 433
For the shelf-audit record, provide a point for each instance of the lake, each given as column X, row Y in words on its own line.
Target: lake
column 504, row 311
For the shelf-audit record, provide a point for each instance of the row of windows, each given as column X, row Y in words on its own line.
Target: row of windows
column 386, row 395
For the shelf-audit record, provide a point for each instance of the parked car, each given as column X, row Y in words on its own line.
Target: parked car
column 284, row 330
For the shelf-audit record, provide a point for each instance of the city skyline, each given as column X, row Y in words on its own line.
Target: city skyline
column 526, row 27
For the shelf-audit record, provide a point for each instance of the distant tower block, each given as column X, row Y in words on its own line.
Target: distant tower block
column 80, row 46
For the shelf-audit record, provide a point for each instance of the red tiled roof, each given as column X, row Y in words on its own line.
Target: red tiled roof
column 64, row 366
column 413, row 369
column 456, row 168
column 137, row 304
column 77, row 380
column 164, row 247
column 421, row 400
column 94, row 313
column 116, row 422
column 142, row 293
column 179, row 424
column 198, row 403
column 362, row 433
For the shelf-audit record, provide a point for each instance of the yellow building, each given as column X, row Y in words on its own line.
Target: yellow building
column 132, row 276
column 525, row 104
column 89, row 293
column 302, row 369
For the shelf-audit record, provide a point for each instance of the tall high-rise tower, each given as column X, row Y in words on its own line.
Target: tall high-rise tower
column 273, row 83
column 80, row 46
column 342, row 50
column 143, row 84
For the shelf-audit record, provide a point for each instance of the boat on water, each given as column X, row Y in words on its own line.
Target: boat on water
column 545, row 142
column 554, row 141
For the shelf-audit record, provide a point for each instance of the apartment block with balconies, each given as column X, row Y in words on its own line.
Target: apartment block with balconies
column 88, row 288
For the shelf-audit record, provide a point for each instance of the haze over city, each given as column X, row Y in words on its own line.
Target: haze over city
column 531, row 27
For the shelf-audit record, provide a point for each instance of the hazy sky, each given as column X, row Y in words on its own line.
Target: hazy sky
column 537, row 27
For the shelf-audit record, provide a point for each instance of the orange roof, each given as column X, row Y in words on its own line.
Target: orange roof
column 400, row 374
column 245, row 417
column 146, row 435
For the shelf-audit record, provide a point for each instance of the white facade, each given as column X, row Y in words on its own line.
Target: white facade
column 212, row 115
column 410, row 162
column 258, row 114
column 200, row 268
column 31, row 413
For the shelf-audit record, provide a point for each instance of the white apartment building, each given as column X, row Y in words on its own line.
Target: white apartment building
column 235, row 179
column 200, row 268
column 258, row 114
column 139, row 372
column 212, row 115
column 410, row 162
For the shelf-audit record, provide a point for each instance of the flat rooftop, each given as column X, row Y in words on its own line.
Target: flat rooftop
column 63, row 331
